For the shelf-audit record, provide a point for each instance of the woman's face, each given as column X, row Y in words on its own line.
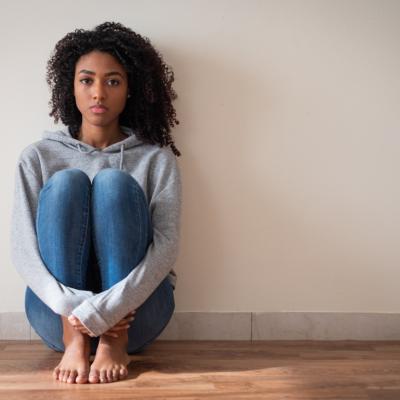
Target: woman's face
column 100, row 79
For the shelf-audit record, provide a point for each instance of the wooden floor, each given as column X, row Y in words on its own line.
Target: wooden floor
column 218, row 370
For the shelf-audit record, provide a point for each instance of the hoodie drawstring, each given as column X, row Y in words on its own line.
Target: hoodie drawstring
column 121, row 156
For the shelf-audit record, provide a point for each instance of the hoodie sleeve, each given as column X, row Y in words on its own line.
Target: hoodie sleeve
column 25, row 253
column 102, row 311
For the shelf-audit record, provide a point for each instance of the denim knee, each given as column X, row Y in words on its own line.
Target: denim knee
column 70, row 175
column 114, row 175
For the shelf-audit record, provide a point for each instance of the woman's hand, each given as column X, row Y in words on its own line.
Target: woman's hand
column 77, row 324
column 123, row 324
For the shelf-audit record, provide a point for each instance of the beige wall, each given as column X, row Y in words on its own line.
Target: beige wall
column 289, row 131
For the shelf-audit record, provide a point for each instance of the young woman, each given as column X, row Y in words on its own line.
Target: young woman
column 97, row 204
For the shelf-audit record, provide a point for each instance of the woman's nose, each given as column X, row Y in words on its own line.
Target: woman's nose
column 98, row 91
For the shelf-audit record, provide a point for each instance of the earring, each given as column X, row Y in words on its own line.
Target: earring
column 129, row 95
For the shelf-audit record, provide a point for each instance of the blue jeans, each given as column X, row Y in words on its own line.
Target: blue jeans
column 91, row 235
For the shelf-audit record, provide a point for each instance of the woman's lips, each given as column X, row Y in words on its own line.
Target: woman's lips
column 98, row 110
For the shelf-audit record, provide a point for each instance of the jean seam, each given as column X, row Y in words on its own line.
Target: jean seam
column 138, row 214
column 84, row 235
column 95, row 246
column 144, row 215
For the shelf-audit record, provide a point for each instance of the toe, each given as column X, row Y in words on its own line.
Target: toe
column 72, row 376
column 82, row 377
column 94, row 376
column 65, row 376
column 103, row 376
column 115, row 374
column 123, row 372
column 61, row 375
column 109, row 375
column 56, row 372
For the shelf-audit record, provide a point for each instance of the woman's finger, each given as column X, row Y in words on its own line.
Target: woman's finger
column 74, row 321
column 111, row 334
column 124, row 321
column 84, row 330
column 80, row 327
column 120, row 328
column 130, row 314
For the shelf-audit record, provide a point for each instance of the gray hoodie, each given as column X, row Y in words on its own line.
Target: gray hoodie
column 157, row 171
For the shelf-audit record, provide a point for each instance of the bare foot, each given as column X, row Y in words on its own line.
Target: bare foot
column 111, row 360
column 74, row 365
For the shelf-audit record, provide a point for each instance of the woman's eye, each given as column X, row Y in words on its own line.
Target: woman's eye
column 116, row 82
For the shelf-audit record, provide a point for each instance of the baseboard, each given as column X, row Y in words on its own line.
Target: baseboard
column 250, row 326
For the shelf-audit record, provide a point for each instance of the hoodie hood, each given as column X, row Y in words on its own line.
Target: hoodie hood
column 63, row 135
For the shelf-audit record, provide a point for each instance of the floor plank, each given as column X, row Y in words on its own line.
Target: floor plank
column 218, row 370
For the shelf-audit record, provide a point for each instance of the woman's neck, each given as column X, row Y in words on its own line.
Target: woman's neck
column 99, row 138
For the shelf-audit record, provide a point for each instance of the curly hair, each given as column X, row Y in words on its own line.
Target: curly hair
column 148, row 111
